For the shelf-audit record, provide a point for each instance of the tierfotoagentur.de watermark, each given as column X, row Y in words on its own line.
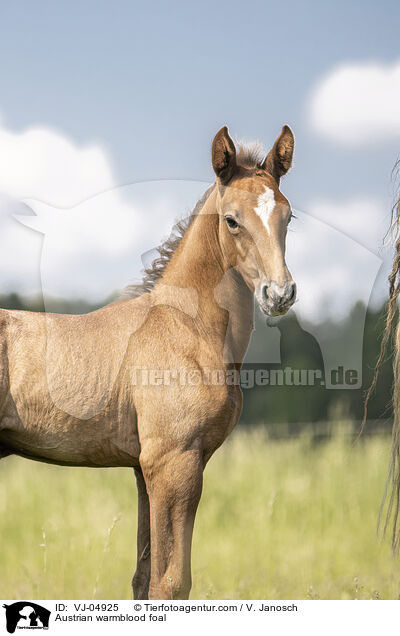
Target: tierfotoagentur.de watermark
column 246, row 378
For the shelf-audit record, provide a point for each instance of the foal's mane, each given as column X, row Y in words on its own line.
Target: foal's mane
column 248, row 156
column 165, row 251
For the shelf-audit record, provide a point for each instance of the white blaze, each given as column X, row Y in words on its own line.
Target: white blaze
column 265, row 206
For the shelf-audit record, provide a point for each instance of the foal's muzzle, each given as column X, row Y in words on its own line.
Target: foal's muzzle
column 276, row 300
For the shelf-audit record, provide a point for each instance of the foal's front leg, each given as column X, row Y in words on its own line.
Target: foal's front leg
column 174, row 485
column 141, row 579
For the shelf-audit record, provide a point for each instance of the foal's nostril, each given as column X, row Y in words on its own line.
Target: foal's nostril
column 265, row 292
column 291, row 293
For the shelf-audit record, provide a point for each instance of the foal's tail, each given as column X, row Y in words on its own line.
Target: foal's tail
column 391, row 496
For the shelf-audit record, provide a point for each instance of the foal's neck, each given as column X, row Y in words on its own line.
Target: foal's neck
column 219, row 301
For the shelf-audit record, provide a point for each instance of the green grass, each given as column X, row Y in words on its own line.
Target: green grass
column 278, row 520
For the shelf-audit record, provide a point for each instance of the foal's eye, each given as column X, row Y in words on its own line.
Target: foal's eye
column 232, row 223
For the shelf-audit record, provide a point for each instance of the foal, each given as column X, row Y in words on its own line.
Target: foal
column 152, row 382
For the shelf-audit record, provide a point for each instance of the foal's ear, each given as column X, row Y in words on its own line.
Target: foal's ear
column 223, row 155
column 279, row 159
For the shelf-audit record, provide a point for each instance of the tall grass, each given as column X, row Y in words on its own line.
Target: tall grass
column 278, row 519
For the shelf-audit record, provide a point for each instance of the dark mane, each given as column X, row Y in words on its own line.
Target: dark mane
column 166, row 250
column 248, row 156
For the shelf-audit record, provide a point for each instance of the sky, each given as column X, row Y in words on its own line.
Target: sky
column 108, row 111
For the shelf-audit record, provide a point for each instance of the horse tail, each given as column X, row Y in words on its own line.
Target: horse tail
column 392, row 488
column 391, row 496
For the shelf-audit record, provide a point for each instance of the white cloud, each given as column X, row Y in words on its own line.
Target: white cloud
column 363, row 219
column 330, row 252
column 44, row 164
column 94, row 232
column 357, row 103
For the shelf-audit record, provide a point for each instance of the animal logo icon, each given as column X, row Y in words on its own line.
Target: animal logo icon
column 26, row 615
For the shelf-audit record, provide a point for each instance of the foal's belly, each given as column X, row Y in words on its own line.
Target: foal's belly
column 81, row 450
column 105, row 440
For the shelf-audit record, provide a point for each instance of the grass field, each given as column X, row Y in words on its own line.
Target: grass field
column 278, row 520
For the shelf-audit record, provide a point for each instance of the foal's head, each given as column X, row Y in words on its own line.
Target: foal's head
column 253, row 219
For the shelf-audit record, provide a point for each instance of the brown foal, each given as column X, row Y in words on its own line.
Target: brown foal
column 152, row 382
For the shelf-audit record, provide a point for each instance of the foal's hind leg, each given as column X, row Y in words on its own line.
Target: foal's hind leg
column 141, row 578
column 174, row 485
